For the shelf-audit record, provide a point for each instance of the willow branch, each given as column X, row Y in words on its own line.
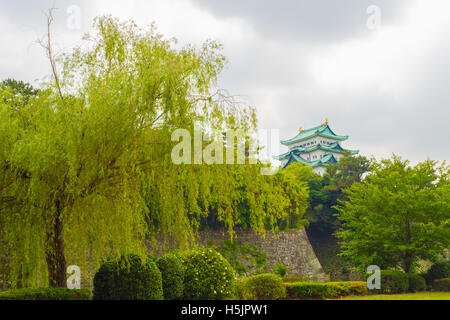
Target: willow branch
column 49, row 51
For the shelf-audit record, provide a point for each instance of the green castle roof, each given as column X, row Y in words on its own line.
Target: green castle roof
column 334, row 147
column 323, row 131
column 322, row 162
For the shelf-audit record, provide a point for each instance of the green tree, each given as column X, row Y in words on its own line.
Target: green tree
column 347, row 171
column 89, row 173
column 296, row 189
column 72, row 180
column 327, row 190
column 20, row 91
column 397, row 215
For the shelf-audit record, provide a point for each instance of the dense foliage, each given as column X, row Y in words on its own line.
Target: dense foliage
column 441, row 284
column 128, row 278
column 208, row 275
column 172, row 272
column 439, row 270
column 46, row 294
column 397, row 216
column 19, row 93
column 325, row 191
column 261, row 287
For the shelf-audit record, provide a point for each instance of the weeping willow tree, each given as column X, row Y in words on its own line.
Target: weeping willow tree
column 85, row 167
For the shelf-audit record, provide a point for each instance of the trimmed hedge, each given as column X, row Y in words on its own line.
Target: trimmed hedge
column 172, row 272
column 393, row 281
column 441, row 284
column 351, row 288
column 439, row 270
column 305, row 290
column 46, row 294
column 128, row 278
column 264, row 286
column 327, row 290
column 416, row 283
column 208, row 275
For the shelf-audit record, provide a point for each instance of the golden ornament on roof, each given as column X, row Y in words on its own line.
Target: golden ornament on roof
column 326, row 121
column 300, row 129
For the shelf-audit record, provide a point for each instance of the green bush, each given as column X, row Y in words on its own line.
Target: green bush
column 305, row 290
column 439, row 270
column 172, row 272
column 208, row 275
column 262, row 287
column 46, row 294
column 351, row 288
column 393, row 281
column 441, row 284
column 242, row 292
column 280, row 269
column 128, row 278
column 327, row 290
column 425, row 275
column 416, row 283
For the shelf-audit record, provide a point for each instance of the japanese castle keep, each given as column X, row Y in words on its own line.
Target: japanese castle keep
column 317, row 147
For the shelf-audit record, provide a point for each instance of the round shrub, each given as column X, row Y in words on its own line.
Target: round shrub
column 128, row 278
column 425, row 275
column 416, row 283
column 172, row 273
column 393, row 281
column 208, row 275
column 265, row 286
column 439, row 270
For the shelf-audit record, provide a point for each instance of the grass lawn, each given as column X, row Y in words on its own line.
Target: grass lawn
column 405, row 296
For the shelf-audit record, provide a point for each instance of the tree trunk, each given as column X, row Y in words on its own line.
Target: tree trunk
column 408, row 258
column 408, row 265
column 56, row 260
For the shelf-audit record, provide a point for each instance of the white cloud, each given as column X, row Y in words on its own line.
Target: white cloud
column 385, row 60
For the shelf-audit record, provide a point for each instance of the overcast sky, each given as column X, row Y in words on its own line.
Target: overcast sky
column 298, row 62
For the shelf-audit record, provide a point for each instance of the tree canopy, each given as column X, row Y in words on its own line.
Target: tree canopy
column 398, row 215
column 326, row 190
